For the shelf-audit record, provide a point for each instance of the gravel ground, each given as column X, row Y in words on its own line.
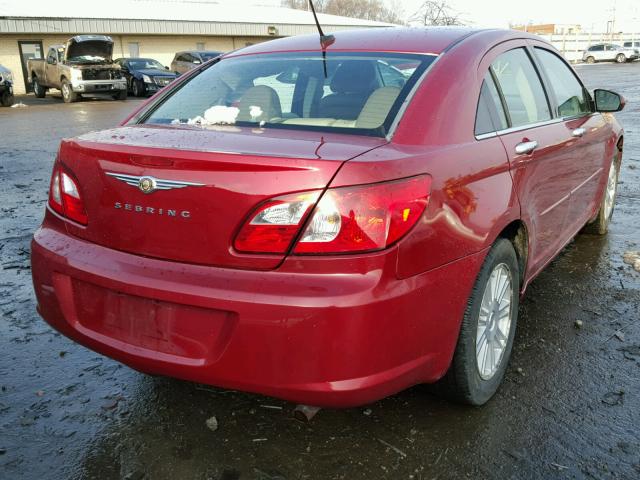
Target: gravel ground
column 569, row 408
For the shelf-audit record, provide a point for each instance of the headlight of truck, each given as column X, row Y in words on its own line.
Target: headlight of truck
column 147, row 79
column 76, row 75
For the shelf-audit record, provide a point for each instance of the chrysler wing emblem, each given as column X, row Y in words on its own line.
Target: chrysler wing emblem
column 148, row 184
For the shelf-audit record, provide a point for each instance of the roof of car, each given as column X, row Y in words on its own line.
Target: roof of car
column 434, row 40
column 198, row 51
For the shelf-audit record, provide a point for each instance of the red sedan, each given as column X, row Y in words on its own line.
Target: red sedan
column 330, row 223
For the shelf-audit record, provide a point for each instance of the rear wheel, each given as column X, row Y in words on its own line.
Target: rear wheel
column 68, row 95
column 38, row 89
column 6, row 99
column 487, row 331
column 620, row 58
column 600, row 226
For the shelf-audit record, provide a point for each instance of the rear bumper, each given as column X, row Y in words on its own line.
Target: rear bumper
column 328, row 332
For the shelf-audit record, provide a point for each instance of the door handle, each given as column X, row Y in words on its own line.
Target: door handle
column 526, row 147
column 578, row 132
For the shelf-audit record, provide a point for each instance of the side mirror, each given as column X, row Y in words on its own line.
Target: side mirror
column 608, row 101
column 52, row 61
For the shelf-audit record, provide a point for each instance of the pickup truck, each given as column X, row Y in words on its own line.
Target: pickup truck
column 81, row 66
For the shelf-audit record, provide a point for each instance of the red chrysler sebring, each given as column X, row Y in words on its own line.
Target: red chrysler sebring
column 330, row 222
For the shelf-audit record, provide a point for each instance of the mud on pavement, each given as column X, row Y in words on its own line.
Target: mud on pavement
column 570, row 406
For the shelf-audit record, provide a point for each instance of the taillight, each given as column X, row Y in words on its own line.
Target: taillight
column 347, row 219
column 275, row 223
column 366, row 217
column 65, row 197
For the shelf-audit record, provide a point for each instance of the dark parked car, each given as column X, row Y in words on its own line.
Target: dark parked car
column 293, row 222
column 145, row 76
column 6, row 87
column 185, row 61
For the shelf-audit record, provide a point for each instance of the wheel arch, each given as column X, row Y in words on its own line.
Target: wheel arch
column 518, row 234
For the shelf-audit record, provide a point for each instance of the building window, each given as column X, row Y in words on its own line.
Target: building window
column 200, row 46
column 134, row 49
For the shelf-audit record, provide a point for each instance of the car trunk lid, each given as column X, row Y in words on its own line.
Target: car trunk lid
column 202, row 185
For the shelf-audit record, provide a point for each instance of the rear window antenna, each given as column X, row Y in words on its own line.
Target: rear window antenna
column 325, row 40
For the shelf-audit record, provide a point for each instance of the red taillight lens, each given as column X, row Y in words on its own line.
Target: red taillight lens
column 347, row 219
column 65, row 197
column 365, row 218
column 276, row 222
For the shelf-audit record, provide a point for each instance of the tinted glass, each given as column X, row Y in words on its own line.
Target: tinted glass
column 144, row 63
column 209, row 55
column 341, row 92
column 597, row 48
column 490, row 116
column 521, row 88
column 567, row 89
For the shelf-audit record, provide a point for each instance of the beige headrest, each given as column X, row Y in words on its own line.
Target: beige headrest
column 261, row 101
column 377, row 107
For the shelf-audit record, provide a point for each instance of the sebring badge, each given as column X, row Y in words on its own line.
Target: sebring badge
column 147, row 184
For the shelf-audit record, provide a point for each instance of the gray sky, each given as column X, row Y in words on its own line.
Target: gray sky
column 589, row 13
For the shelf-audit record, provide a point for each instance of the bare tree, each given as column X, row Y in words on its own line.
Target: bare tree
column 365, row 9
column 437, row 12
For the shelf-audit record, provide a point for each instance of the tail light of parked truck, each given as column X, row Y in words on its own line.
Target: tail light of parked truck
column 345, row 220
column 65, row 197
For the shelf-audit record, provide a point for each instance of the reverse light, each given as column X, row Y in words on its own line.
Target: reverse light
column 65, row 197
column 366, row 217
column 275, row 223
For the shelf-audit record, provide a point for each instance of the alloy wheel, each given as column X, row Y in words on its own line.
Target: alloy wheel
column 494, row 321
column 610, row 193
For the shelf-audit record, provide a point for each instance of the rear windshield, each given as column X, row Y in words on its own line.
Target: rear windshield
column 345, row 92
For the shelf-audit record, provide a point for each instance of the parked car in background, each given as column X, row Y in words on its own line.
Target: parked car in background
column 332, row 247
column 609, row 52
column 185, row 61
column 145, row 76
column 81, row 66
column 6, row 87
column 634, row 44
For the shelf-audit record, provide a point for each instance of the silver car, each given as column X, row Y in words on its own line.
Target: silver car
column 185, row 61
column 609, row 52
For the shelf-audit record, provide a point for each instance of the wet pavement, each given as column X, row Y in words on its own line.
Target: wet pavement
column 569, row 407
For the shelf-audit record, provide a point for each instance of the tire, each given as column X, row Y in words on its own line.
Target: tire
column 620, row 58
column 469, row 379
column 137, row 88
column 121, row 95
column 68, row 95
column 600, row 225
column 6, row 99
column 591, row 60
column 38, row 89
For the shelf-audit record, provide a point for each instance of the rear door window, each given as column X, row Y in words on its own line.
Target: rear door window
column 521, row 88
column 490, row 116
column 569, row 92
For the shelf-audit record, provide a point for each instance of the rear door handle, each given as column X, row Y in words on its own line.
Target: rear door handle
column 526, row 147
column 578, row 132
